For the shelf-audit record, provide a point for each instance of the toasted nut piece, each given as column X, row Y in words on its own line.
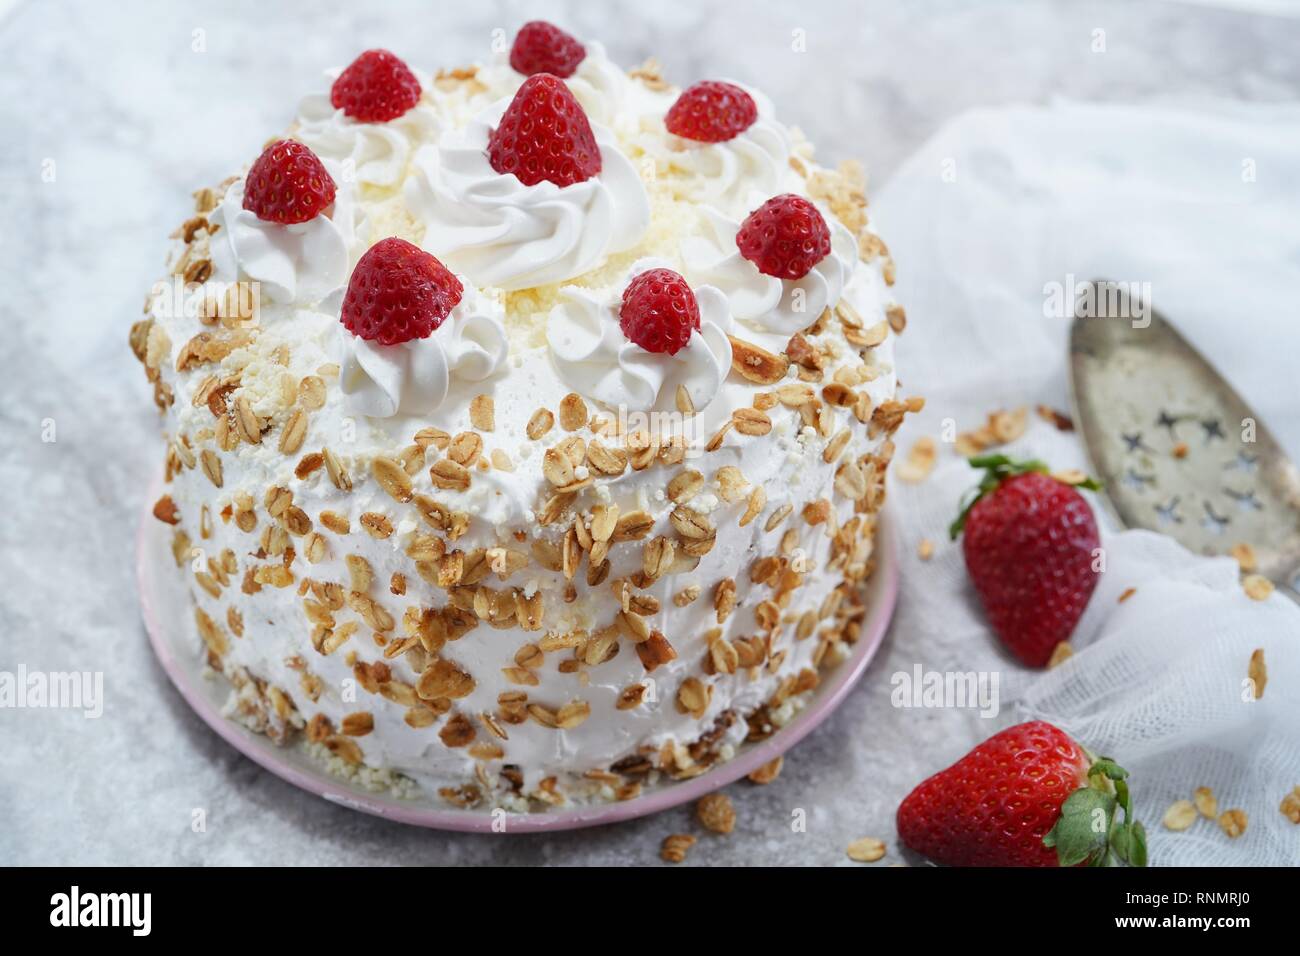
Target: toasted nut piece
column 558, row 469
column 444, row 679
column 338, row 476
column 768, row 772
column 1233, row 822
column 655, row 651
column 540, row 423
column 1206, row 802
column 1061, row 653
column 392, row 477
column 465, row 449
column 674, row 847
column 606, row 461
column 573, row 412
column 866, row 850
column 482, row 413
column 449, row 475
column 691, row 524
column 685, row 486
column 693, row 697
column 750, row 421
column 632, row 526
column 657, row 557
column 756, row 364
column 685, row 404
column 716, row 813
column 1290, row 806
column 1245, row 556
column 1257, row 671
column 1180, row 815
column 248, row 424
column 294, row 431
column 572, row 714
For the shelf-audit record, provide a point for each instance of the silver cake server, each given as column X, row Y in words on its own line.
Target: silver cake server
column 1175, row 447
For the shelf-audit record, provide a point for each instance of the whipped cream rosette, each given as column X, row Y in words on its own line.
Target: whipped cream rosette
column 599, row 84
column 770, row 304
column 592, row 354
column 371, row 154
column 499, row 232
column 296, row 263
column 733, row 175
column 413, row 378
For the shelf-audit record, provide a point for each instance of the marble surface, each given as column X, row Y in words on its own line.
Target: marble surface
column 111, row 114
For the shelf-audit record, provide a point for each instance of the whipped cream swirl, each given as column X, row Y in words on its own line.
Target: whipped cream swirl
column 295, row 264
column 782, row 306
column 598, row 84
column 595, row 359
column 502, row 233
column 734, row 176
column 375, row 154
column 413, row 378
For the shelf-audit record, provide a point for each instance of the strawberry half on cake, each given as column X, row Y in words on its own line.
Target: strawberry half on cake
column 526, row 424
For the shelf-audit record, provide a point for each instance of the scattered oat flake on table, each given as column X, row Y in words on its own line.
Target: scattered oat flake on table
column 1060, row 654
column 1060, row 420
column 1245, row 556
column 1291, row 805
column 1000, row 428
column 866, row 850
column 925, row 550
column 1180, row 815
column 674, row 847
column 1233, row 822
column 1256, row 586
column 1206, row 802
column 768, row 772
column 716, row 813
column 1258, row 672
column 919, row 462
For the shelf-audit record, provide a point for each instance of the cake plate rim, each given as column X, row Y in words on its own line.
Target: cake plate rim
column 184, row 668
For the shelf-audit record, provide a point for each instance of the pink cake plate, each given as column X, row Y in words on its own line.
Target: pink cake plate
column 168, row 620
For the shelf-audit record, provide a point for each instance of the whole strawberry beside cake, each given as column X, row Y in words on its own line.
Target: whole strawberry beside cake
column 527, row 423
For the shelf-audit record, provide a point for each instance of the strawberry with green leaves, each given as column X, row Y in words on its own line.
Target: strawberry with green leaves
column 1031, row 546
column 1028, row 796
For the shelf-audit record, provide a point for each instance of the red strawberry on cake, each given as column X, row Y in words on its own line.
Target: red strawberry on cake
column 1028, row 796
column 288, row 184
column 785, row 237
column 398, row 292
column 542, row 47
column 375, row 88
column 711, row 112
column 659, row 311
column 544, row 135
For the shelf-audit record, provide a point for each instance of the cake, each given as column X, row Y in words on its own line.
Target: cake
column 526, row 424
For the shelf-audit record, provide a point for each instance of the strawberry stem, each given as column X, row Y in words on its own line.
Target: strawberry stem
column 997, row 469
column 1090, row 829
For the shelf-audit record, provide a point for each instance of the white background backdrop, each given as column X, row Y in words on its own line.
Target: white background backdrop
column 134, row 119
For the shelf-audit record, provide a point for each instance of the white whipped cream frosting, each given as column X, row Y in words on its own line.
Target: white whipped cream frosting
column 734, row 176
column 781, row 306
column 502, row 233
column 374, row 154
column 296, row 264
column 598, row 84
column 595, row 358
column 413, row 378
